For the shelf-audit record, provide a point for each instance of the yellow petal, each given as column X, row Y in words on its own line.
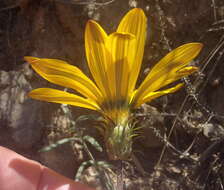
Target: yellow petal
column 166, row 71
column 61, row 73
column 135, row 22
column 61, row 97
column 187, row 70
column 152, row 95
column 176, row 75
column 97, row 55
column 122, row 47
column 179, row 57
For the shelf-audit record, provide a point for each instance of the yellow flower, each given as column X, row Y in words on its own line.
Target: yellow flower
column 115, row 61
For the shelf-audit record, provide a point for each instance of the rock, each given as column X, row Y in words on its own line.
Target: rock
column 213, row 131
column 19, row 113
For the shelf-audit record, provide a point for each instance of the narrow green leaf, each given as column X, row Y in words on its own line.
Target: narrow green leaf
column 82, row 168
column 59, row 142
column 93, row 142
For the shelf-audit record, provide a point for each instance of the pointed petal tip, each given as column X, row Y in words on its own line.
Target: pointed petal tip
column 200, row 45
column 30, row 59
column 137, row 11
column 196, row 45
column 94, row 31
column 29, row 94
column 91, row 22
column 133, row 14
column 93, row 25
column 187, row 70
column 33, row 93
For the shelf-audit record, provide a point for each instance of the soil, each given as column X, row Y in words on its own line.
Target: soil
column 181, row 144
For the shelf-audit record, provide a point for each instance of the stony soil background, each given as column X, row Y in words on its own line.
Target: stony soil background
column 193, row 157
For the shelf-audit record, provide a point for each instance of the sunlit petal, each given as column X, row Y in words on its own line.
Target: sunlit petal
column 122, row 47
column 97, row 55
column 175, row 75
column 61, row 97
column 61, row 73
column 178, row 58
column 166, row 70
column 152, row 95
column 135, row 22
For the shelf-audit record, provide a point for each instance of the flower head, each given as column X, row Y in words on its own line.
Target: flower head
column 114, row 61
